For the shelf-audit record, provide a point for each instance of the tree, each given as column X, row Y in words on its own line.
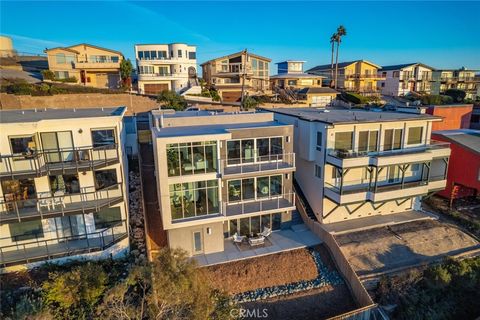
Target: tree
column 457, row 95
column 172, row 100
column 249, row 103
column 74, row 294
column 333, row 39
column 126, row 69
column 341, row 32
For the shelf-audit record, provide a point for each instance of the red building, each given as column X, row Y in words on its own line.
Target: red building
column 464, row 164
column 455, row 116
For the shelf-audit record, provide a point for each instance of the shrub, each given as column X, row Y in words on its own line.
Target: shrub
column 355, row 98
column 457, row 95
column 249, row 103
column 172, row 100
column 434, row 99
column 48, row 75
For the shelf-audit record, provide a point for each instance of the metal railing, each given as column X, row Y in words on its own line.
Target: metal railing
column 273, row 202
column 46, row 205
column 364, row 185
column 364, row 76
column 41, row 162
column 256, row 163
column 347, row 154
column 49, row 245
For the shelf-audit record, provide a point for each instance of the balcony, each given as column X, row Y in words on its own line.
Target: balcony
column 50, row 162
column 348, row 158
column 362, row 76
column 361, row 190
column 108, row 64
column 283, row 202
column 233, row 68
column 271, row 162
column 48, row 206
column 50, row 246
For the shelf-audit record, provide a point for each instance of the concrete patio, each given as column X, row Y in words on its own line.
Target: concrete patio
column 298, row 236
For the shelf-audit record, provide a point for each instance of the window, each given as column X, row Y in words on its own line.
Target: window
column 179, row 53
column 146, row 55
column 153, row 55
column 192, row 55
column 318, row 171
column 383, row 84
column 194, row 199
column 393, row 174
column 292, row 82
column 23, row 145
column 344, row 141
column 319, row 141
column 191, row 158
column 416, row 167
column 162, row 54
column 415, row 135
column 61, row 75
column 107, row 218
column 197, row 242
column 114, row 59
column 393, row 139
column 396, row 74
column 140, row 55
column 367, row 141
column 105, row 179
column 29, row 230
column 66, row 183
column 252, row 225
column 22, row 190
column 60, row 58
column 103, row 138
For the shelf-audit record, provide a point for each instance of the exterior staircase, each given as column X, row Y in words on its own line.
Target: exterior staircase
column 306, row 205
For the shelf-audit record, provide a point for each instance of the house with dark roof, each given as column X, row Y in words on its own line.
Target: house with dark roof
column 358, row 76
column 401, row 79
column 236, row 73
column 463, row 177
column 86, row 64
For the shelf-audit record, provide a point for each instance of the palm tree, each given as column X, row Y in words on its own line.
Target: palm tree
column 333, row 39
column 341, row 31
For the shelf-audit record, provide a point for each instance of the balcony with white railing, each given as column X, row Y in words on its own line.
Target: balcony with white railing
column 258, row 163
column 274, row 203
column 49, row 245
column 48, row 205
column 45, row 162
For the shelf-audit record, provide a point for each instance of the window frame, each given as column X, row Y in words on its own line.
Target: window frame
column 107, row 146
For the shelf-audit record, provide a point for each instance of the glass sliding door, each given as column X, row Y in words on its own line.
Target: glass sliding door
column 58, row 146
column 70, row 226
column 248, row 151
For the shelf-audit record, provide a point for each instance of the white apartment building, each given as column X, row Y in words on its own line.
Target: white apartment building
column 165, row 67
column 221, row 174
column 63, row 185
column 399, row 80
column 356, row 164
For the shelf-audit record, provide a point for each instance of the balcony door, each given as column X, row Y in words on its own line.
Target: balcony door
column 58, row 146
column 69, row 227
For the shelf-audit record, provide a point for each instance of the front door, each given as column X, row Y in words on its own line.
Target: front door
column 197, row 242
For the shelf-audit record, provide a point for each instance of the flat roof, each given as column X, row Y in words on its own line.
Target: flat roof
column 40, row 114
column 334, row 116
column 467, row 138
column 211, row 129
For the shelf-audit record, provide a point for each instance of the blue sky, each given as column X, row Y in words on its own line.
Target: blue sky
column 441, row 34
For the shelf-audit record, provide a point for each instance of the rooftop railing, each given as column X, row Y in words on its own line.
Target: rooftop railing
column 42, row 162
column 273, row 202
column 47, row 205
column 257, row 163
column 49, row 245
column 346, row 154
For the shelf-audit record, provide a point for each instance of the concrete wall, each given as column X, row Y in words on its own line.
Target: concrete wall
column 134, row 103
column 454, row 116
column 183, row 238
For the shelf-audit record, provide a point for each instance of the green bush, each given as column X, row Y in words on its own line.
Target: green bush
column 358, row 98
column 69, row 79
column 457, row 95
column 48, row 75
column 172, row 100
column 435, row 99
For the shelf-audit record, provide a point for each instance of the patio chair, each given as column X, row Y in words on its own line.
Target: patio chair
column 256, row 241
column 44, row 201
column 266, row 232
column 58, row 198
column 237, row 238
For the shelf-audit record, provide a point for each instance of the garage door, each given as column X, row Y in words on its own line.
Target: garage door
column 154, row 88
column 232, row 96
column 321, row 101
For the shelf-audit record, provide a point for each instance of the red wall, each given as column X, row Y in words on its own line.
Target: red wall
column 463, row 168
column 454, row 117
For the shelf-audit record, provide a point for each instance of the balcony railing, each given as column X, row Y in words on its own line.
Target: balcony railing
column 346, row 154
column 51, row 246
column 256, row 163
column 46, row 205
column 364, row 76
column 161, row 74
column 277, row 202
column 43, row 162
column 236, row 67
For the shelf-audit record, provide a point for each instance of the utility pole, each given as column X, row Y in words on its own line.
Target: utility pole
column 244, row 73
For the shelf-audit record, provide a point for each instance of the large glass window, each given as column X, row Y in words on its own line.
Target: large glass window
column 21, row 190
column 344, row 141
column 26, row 230
column 243, row 151
column 23, row 145
column 393, row 139
column 194, row 199
column 191, row 158
column 368, row 141
column 247, row 150
column 254, row 188
column 253, row 225
column 104, row 137
column 66, row 183
column 415, row 135
column 60, row 58
column 263, row 147
column 105, row 179
column 107, row 217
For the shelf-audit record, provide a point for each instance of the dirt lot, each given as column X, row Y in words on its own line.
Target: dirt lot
column 403, row 245
column 267, row 271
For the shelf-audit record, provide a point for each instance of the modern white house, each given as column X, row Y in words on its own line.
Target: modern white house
column 166, row 67
column 63, row 185
column 399, row 80
column 357, row 164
